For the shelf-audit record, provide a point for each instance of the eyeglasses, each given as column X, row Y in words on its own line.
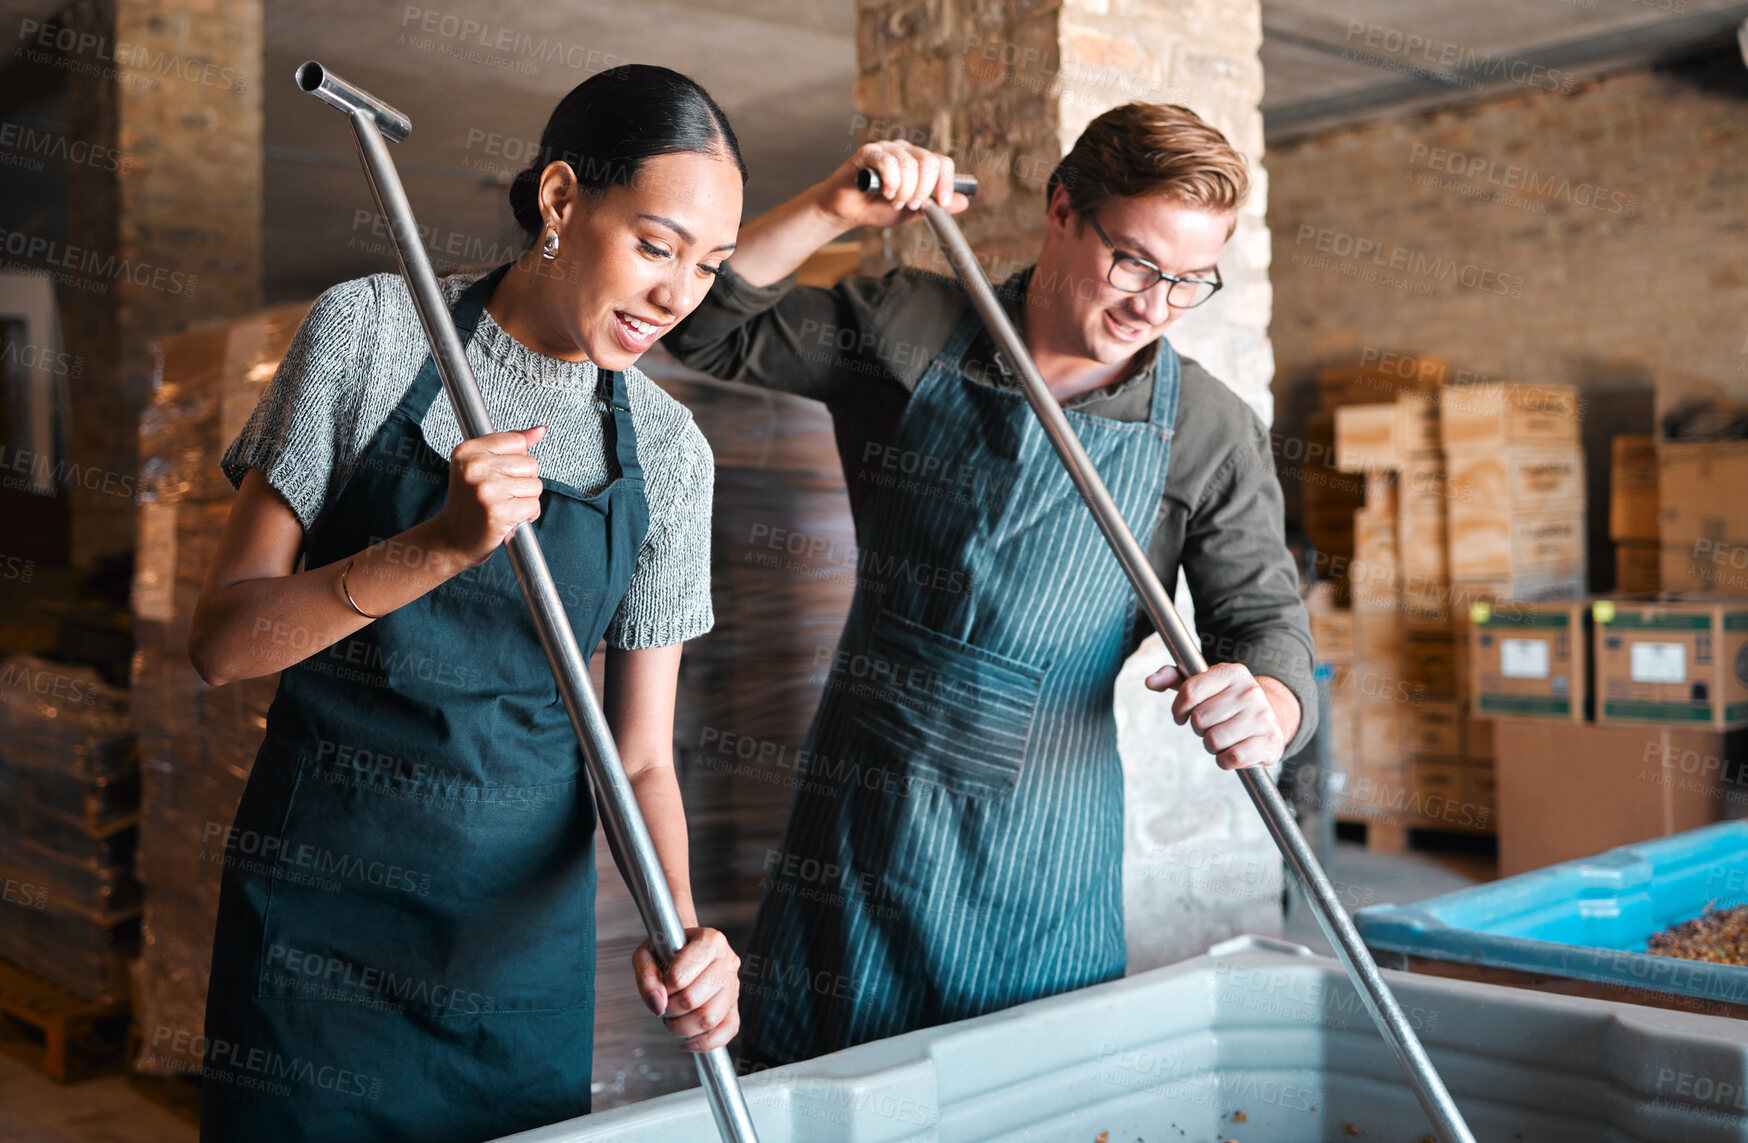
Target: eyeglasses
column 1135, row 275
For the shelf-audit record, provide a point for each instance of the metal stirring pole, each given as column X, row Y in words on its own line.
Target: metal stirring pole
column 1337, row 926
column 372, row 121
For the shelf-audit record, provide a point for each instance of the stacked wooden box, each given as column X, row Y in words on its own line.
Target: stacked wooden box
column 1516, row 473
column 1472, row 492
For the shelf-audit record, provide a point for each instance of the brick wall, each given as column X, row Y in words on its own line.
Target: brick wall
column 1542, row 237
column 176, row 230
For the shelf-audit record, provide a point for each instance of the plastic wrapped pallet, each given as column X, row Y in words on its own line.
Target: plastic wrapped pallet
column 69, row 802
column 196, row 742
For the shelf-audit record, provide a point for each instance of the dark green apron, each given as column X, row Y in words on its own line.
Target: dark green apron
column 405, row 946
column 955, row 845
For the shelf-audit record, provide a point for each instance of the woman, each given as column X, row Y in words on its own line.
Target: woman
column 405, row 941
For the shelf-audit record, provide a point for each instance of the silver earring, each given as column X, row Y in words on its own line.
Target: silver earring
column 549, row 248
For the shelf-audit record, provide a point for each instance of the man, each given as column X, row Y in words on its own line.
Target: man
column 957, row 844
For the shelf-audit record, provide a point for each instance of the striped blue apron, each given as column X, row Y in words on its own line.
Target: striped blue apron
column 954, row 843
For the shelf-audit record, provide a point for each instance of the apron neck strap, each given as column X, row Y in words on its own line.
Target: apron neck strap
column 962, row 338
column 473, row 299
column 612, row 394
column 466, row 314
column 1162, row 413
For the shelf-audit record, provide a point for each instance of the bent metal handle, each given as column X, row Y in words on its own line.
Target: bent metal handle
column 1379, row 1001
column 619, row 814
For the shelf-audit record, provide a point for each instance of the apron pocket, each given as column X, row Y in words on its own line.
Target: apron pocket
column 940, row 710
column 412, row 896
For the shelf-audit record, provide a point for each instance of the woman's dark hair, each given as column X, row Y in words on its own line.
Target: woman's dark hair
column 611, row 122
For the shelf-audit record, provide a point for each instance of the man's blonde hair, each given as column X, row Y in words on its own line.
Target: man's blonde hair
column 1140, row 150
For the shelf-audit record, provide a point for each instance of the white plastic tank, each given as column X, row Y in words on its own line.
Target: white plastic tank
column 1259, row 1041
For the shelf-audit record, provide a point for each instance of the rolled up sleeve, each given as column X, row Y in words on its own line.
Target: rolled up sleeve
column 1242, row 578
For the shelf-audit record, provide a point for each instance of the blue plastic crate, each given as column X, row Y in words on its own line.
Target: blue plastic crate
column 1587, row 919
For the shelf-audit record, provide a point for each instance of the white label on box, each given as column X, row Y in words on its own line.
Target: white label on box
column 1523, row 658
column 1659, row 662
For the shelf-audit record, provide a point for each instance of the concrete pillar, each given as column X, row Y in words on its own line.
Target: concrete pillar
column 1006, row 86
column 170, row 236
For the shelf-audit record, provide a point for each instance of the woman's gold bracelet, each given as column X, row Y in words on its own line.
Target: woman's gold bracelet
column 348, row 592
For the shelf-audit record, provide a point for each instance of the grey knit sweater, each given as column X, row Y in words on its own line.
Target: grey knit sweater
column 357, row 352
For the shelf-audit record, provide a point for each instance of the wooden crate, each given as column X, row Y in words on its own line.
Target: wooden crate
column 1505, row 547
column 1479, row 786
column 1496, row 413
column 1430, row 661
column 1365, row 437
column 1380, row 493
column 1332, row 634
column 1484, row 482
column 1632, row 488
column 1415, row 432
column 1380, row 740
column 1421, row 520
column 1438, row 789
column 1435, row 726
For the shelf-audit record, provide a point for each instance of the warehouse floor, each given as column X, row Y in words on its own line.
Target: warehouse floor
column 634, row 1058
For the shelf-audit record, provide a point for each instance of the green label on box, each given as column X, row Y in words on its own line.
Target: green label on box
column 1660, row 711
column 1660, row 622
column 1736, row 621
column 1736, row 711
column 1525, row 704
column 1527, row 619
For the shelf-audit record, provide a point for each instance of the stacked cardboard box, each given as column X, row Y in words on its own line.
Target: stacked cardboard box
column 1702, row 517
column 1647, row 694
column 1632, row 513
column 1412, row 764
column 1672, row 660
column 1570, row 790
column 1530, row 659
column 1516, row 490
column 197, row 743
column 1374, row 684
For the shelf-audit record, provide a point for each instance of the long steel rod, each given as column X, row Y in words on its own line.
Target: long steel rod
column 618, row 805
column 1376, row 994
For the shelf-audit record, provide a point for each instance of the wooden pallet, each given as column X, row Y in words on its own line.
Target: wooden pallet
column 65, row 1036
column 1397, row 835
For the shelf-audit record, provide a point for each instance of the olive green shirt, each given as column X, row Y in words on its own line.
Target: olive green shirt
column 862, row 347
